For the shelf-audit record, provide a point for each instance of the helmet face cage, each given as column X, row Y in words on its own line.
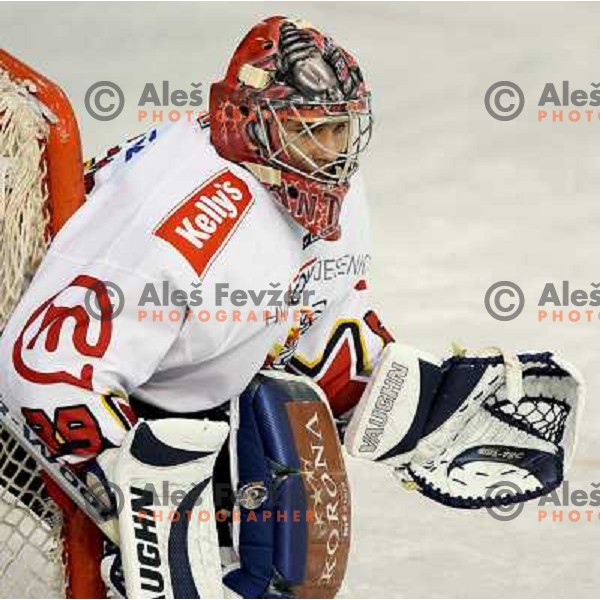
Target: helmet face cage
column 277, row 140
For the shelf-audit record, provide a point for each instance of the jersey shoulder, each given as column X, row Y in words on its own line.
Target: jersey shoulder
column 170, row 206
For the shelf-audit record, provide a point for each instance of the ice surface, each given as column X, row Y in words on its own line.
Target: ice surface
column 459, row 201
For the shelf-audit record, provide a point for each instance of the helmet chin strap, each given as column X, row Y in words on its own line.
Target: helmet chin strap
column 265, row 174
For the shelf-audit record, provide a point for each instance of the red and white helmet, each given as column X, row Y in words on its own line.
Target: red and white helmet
column 284, row 81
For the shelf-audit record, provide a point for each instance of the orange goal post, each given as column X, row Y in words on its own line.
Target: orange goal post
column 48, row 547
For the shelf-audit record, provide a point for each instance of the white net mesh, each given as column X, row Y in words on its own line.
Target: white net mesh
column 23, row 190
column 31, row 564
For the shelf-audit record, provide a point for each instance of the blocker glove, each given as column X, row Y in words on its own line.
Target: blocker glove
column 474, row 431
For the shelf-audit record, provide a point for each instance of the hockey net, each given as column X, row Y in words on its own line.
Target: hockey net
column 46, row 545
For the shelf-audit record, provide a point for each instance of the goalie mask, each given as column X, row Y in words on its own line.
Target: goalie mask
column 294, row 110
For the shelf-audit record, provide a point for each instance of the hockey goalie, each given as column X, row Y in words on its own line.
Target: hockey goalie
column 199, row 341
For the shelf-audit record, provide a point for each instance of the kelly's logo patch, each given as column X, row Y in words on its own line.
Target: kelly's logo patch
column 201, row 225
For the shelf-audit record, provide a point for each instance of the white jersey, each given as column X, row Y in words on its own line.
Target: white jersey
column 169, row 285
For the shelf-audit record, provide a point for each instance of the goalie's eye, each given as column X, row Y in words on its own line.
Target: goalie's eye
column 340, row 128
column 337, row 129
